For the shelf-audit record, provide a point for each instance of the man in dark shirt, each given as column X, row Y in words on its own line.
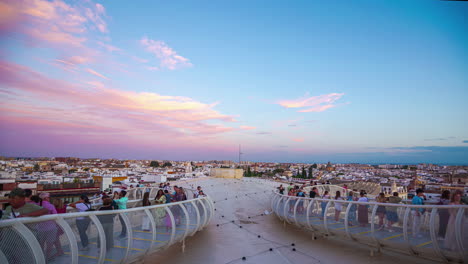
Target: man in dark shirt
column 313, row 193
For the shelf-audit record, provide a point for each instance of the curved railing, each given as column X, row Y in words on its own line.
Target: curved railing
column 410, row 233
column 145, row 229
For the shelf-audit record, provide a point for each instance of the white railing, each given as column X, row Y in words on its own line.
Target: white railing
column 93, row 237
column 409, row 233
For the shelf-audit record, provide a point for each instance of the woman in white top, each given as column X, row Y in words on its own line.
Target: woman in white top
column 82, row 223
column 363, row 216
column 338, row 206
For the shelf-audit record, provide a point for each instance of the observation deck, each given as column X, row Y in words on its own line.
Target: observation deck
column 240, row 221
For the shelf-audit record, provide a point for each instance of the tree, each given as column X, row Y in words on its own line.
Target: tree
column 310, row 172
column 314, row 166
column 167, row 164
column 154, row 164
column 36, row 167
column 304, row 174
column 249, row 172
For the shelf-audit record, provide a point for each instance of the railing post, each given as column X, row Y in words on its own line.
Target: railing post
column 295, row 211
column 346, row 220
column 150, row 216
column 405, row 230
column 198, row 217
column 71, row 239
column 432, row 232
column 32, row 241
column 311, row 201
column 325, row 218
column 129, row 235
column 374, row 238
column 101, row 236
column 458, row 235
column 187, row 222
column 173, row 229
column 286, row 205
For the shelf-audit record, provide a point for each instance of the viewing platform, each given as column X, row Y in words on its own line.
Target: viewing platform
column 240, row 221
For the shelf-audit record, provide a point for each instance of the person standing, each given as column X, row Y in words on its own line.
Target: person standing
column 160, row 211
column 381, row 210
column 443, row 214
column 338, row 205
column 417, row 212
column 145, row 225
column 450, row 237
column 281, row 189
column 107, row 222
column 324, row 203
column 82, row 223
column 363, row 216
column 392, row 211
column 352, row 210
column 122, row 204
column 313, row 193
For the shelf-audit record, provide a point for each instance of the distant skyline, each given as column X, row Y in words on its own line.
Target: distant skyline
column 302, row 81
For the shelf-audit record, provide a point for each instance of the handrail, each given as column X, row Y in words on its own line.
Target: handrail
column 23, row 230
column 425, row 243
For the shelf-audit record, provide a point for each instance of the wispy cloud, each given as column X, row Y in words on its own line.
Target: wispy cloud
column 298, row 139
column 54, row 22
column 168, row 58
column 263, row 133
column 312, row 104
column 137, row 115
column 95, row 73
column 108, row 47
column 465, row 141
column 247, row 127
column 439, row 139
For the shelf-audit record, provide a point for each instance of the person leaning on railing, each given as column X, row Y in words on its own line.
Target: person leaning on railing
column 19, row 208
column 392, row 215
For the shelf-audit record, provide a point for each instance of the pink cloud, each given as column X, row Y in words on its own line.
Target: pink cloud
column 313, row 104
column 247, row 127
column 108, row 47
column 169, row 59
column 100, row 109
column 93, row 72
column 298, row 139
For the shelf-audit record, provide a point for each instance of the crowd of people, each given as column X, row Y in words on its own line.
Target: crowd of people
column 387, row 215
column 22, row 203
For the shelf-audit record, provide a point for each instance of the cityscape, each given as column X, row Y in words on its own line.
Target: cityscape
column 43, row 173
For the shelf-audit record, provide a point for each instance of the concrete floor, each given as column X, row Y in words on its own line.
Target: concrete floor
column 245, row 203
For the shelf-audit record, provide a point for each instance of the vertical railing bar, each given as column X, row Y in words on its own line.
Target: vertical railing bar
column 32, row 242
column 71, row 239
column 295, row 210
column 150, row 216
column 101, row 237
column 284, row 210
column 325, row 218
column 187, row 217
column 171, row 216
column 458, row 235
column 374, row 238
column 129, row 235
column 198, row 216
column 346, row 221
column 432, row 232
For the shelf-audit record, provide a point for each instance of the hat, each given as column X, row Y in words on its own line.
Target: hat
column 44, row 195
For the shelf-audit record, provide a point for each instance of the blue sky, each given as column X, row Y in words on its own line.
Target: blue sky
column 384, row 81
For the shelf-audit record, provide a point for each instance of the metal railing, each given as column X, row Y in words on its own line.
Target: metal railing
column 437, row 232
column 123, row 236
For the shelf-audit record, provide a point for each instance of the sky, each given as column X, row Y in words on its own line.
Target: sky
column 298, row 81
